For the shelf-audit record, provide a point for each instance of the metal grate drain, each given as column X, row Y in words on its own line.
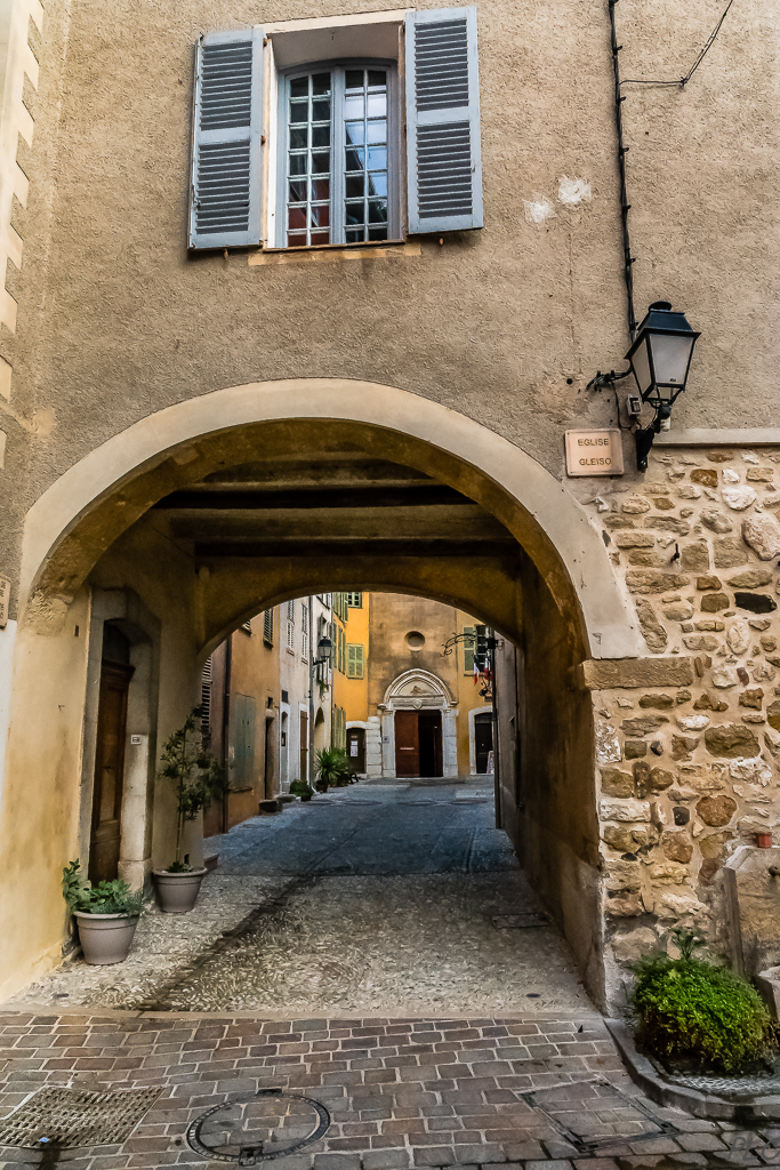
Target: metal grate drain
column 74, row 1117
column 250, row 1130
column 731, row 1088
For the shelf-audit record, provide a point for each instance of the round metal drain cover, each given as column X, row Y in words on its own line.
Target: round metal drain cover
column 253, row 1129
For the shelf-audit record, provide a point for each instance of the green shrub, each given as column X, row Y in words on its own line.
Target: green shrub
column 107, row 897
column 693, row 1014
column 302, row 789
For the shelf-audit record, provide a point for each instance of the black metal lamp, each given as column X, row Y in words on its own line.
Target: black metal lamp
column 324, row 651
column 661, row 355
column 659, row 359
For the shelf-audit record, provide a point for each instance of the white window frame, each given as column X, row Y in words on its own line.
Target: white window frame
column 395, row 152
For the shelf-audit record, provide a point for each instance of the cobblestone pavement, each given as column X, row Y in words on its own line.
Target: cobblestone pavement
column 390, row 899
column 429, row 1020
column 541, row 1093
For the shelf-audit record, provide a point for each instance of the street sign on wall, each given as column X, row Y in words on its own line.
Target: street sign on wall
column 594, row 452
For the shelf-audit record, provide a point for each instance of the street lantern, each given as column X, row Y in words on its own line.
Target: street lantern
column 660, row 356
column 324, row 650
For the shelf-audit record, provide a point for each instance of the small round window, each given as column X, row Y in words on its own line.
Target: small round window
column 415, row 640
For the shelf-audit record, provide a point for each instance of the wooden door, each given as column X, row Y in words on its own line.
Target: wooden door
column 109, row 769
column 407, row 743
column 303, row 727
column 429, row 736
column 483, row 739
column 356, row 749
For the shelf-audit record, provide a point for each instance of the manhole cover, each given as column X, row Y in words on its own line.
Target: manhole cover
column 250, row 1130
column 75, row 1117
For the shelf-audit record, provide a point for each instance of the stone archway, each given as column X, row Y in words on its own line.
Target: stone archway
column 97, row 527
column 414, row 691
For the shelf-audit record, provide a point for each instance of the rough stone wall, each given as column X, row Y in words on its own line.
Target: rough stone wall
column 689, row 762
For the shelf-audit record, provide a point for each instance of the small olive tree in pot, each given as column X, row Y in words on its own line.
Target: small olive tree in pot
column 197, row 779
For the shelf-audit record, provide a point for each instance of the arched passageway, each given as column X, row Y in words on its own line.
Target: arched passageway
column 220, row 506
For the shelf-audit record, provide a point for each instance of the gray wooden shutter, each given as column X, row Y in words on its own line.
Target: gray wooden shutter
column 442, row 121
column 225, row 196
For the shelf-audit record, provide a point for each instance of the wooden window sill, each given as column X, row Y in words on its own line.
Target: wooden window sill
column 335, row 253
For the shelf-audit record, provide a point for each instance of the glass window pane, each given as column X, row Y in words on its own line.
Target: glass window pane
column 355, row 133
column 377, row 233
column 320, row 162
column 320, row 110
column 320, row 215
column 377, row 77
column 299, row 87
column 377, row 184
column 299, row 112
column 297, row 192
column 296, row 239
column 320, row 237
column 354, row 107
column 355, row 210
column 377, row 159
column 354, row 235
column 321, row 83
column 320, row 190
column 298, row 164
column 355, row 78
column 355, row 187
column 377, row 105
column 355, row 160
column 320, row 136
column 377, row 131
column 377, row 211
column 296, row 219
column 299, row 137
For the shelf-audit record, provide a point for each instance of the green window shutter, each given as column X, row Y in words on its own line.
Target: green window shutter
column 444, row 160
column 354, row 661
column 268, row 627
column 469, row 649
column 226, row 181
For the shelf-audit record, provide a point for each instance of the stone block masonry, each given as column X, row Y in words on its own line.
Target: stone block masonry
column 689, row 738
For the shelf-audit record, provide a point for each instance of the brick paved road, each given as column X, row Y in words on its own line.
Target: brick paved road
column 539, row 1093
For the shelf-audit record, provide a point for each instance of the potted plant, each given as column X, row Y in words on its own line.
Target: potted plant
column 107, row 914
column 197, row 778
column 332, row 768
column 301, row 789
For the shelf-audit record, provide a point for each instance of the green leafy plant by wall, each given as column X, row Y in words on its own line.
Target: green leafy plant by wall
column 692, row 1014
column 332, row 769
column 107, row 897
column 302, row 789
column 196, row 776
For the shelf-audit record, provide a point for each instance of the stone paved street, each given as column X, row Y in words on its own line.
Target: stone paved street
column 378, row 958
column 390, row 899
column 537, row 1092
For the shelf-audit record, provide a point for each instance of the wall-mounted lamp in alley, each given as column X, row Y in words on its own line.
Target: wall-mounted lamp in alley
column 660, row 359
column 324, row 652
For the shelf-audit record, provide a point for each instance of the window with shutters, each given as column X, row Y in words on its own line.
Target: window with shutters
column 469, row 649
column 355, row 600
column 334, row 150
column 268, row 627
column 354, row 661
column 205, row 697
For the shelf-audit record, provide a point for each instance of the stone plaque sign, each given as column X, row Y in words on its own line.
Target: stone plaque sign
column 594, row 452
column 5, row 598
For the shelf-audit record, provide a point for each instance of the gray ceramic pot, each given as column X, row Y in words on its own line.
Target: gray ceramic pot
column 177, row 892
column 105, row 938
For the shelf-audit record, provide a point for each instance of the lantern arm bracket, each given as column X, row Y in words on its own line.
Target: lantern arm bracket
column 602, row 381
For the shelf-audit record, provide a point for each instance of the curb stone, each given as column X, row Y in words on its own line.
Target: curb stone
column 664, row 1092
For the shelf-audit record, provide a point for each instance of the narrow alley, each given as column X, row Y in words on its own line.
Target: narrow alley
column 395, row 898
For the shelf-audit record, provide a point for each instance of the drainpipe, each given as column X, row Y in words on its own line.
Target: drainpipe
column 492, row 645
column 226, row 728
column 312, row 671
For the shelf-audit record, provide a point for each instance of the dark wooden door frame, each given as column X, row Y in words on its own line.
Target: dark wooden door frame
column 105, row 832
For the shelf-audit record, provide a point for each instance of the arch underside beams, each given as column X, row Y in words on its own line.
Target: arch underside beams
column 475, row 496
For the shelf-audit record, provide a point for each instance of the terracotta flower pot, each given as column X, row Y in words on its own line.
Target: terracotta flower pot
column 105, row 938
column 764, row 840
column 177, row 892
